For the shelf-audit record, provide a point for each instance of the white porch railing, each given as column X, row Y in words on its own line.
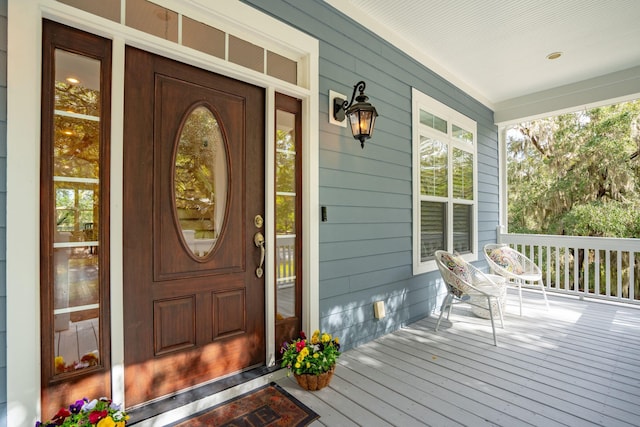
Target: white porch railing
column 586, row 266
column 285, row 260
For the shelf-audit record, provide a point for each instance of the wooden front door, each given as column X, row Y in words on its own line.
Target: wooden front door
column 194, row 305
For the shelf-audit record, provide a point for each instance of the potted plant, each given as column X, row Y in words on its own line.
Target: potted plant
column 312, row 361
column 84, row 413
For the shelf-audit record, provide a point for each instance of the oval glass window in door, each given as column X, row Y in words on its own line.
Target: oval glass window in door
column 200, row 181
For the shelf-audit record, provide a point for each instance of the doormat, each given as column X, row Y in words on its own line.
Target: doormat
column 269, row 405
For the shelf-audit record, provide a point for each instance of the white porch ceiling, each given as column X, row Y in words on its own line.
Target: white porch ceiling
column 496, row 50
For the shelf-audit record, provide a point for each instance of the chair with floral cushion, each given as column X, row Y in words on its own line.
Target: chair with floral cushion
column 515, row 267
column 464, row 281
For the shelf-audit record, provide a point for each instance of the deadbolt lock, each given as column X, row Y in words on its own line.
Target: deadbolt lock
column 258, row 221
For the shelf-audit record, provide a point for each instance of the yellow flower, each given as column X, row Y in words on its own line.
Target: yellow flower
column 106, row 422
column 59, row 363
column 316, row 355
column 314, row 338
column 326, row 338
column 308, row 365
column 297, row 365
column 304, row 352
column 336, row 340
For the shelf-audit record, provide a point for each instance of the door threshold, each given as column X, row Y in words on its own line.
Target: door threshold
column 185, row 403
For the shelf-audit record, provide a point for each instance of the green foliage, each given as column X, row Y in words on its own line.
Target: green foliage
column 602, row 220
column 201, row 151
column 576, row 174
column 285, row 183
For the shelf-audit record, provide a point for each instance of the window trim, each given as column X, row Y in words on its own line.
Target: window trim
column 425, row 102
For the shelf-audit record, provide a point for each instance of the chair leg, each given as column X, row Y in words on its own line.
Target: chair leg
column 544, row 293
column 518, row 282
column 450, row 307
column 493, row 325
column 500, row 312
column 447, row 301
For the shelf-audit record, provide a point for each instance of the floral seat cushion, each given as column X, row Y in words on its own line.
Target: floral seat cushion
column 506, row 259
column 460, row 271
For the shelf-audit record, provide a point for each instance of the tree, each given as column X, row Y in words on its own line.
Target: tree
column 577, row 173
column 285, row 183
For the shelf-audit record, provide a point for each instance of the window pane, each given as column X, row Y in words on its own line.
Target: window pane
column 76, row 212
column 282, row 68
column 76, row 202
column 248, row 55
column 77, row 85
column 109, row 9
column 76, row 303
column 285, row 172
column 433, row 226
column 153, row 19
column 201, row 180
column 203, row 37
column 285, row 214
column 433, row 121
column 462, row 135
column 433, row 167
column 462, row 174
column 462, row 220
column 286, row 275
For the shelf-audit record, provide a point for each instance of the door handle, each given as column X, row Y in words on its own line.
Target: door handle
column 258, row 240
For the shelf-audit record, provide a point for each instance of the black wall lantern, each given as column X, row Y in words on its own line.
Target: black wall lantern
column 361, row 115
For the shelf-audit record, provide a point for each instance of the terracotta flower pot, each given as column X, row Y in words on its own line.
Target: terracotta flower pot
column 315, row 382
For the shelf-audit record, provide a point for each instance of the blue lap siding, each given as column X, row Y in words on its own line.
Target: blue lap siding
column 366, row 244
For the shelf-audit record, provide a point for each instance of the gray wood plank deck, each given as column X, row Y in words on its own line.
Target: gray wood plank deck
column 575, row 365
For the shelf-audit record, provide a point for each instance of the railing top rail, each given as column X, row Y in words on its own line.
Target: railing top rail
column 583, row 242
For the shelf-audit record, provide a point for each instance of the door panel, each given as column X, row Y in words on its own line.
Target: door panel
column 190, row 316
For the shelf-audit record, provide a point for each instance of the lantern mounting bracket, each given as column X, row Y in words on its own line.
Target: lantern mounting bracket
column 361, row 115
column 341, row 105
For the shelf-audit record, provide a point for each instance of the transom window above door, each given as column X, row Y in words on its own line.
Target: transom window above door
column 198, row 34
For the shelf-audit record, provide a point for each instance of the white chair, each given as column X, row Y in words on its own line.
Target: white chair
column 465, row 281
column 515, row 267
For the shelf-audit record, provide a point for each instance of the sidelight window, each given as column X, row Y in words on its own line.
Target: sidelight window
column 288, row 177
column 74, row 208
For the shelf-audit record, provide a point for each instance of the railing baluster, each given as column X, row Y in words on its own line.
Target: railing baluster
column 596, row 272
column 607, row 269
column 585, row 268
column 547, row 282
column 567, row 268
column 558, row 282
column 632, row 279
column 619, row 281
column 576, row 268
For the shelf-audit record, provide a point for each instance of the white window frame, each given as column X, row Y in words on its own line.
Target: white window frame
column 421, row 101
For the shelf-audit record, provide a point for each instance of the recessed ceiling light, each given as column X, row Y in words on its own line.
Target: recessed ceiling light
column 554, row 55
column 73, row 80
